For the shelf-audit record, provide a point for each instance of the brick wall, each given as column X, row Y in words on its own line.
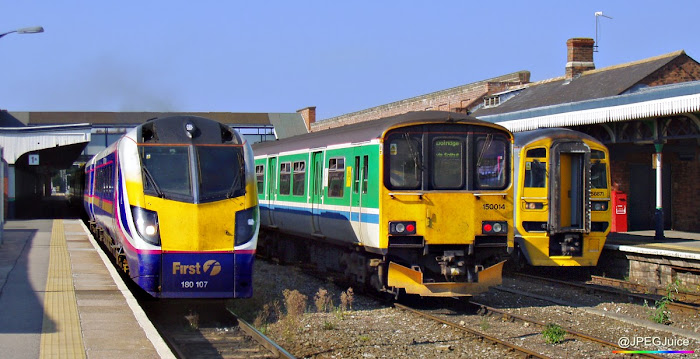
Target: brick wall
column 685, row 189
column 681, row 69
column 456, row 99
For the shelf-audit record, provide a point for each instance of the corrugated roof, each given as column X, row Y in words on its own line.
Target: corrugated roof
column 134, row 118
column 288, row 124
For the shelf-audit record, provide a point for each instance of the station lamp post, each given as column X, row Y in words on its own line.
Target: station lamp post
column 25, row 30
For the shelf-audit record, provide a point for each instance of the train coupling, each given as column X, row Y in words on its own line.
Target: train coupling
column 452, row 263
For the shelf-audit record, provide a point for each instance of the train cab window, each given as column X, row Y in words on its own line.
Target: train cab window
column 537, row 153
column 491, row 162
column 299, row 181
column 405, row 161
column 597, row 155
column 535, row 174
column 221, row 171
column 166, row 170
column 599, row 170
column 260, row 178
column 448, row 163
column 285, row 177
column 336, row 177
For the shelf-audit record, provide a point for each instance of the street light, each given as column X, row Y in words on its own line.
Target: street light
column 26, row 30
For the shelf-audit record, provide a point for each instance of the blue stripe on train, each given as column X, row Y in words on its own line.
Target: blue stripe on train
column 325, row 213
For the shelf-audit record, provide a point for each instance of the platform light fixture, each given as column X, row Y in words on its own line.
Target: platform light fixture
column 25, row 30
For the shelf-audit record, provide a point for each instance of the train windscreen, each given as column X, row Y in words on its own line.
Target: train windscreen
column 446, row 157
column 166, row 171
column 221, row 171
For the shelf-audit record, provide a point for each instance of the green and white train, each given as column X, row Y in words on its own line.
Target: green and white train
column 420, row 203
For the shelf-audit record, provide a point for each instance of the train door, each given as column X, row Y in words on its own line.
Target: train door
column 358, row 191
column 570, row 188
column 271, row 188
column 316, row 189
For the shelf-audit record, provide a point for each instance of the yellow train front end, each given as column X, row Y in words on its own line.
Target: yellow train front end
column 191, row 220
column 445, row 208
column 563, row 209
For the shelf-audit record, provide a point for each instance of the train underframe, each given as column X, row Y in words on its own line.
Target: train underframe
column 426, row 270
column 114, row 248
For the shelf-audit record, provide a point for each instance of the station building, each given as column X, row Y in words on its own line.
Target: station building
column 41, row 148
column 642, row 110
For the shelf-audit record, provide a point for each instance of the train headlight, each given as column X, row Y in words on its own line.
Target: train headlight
column 146, row 224
column 246, row 225
column 492, row 227
column 534, row 205
column 404, row 227
column 600, row 205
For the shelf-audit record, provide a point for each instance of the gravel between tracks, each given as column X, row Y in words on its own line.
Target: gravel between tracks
column 375, row 330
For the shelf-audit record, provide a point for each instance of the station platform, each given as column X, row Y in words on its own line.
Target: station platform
column 60, row 297
column 675, row 243
column 641, row 258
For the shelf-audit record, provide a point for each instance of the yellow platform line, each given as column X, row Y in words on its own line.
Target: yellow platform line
column 61, row 336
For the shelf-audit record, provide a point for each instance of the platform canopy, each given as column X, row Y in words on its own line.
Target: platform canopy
column 659, row 101
column 17, row 141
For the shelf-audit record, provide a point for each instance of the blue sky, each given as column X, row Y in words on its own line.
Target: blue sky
column 275, row 56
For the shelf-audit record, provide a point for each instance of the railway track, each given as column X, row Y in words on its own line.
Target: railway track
column 201, row 329
column 599, row 346
column 682, row 302
column 510, row 346
column 572, row 332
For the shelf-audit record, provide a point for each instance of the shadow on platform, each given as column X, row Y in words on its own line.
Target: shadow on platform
column 52, row 207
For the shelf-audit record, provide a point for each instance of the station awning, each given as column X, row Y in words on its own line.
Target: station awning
column 660, row 101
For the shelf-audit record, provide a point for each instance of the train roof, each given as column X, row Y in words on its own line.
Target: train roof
column 363, row 131
column 525, row 137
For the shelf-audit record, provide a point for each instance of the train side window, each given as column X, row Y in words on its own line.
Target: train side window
column 356, row 181
column 365, row 173
column 597, row 155
column 299, row 178
column 260, row 178
column 336, row 177
column 535, row 174
column 285, row 177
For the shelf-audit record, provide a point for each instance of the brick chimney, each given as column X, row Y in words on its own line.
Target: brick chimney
column 309, row 116
column 579, row 56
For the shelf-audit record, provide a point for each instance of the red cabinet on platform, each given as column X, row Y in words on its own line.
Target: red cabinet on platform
column 619, row 211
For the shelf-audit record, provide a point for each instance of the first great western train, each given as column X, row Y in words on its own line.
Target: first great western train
column 174, row 201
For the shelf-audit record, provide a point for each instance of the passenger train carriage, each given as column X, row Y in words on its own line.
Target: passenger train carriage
column 419, row 203
column 563, row 214
column 174, row 200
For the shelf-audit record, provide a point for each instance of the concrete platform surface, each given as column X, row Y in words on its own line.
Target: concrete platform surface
column 58, row 297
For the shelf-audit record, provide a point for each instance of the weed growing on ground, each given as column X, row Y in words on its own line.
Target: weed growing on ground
column 346, row 299
column 484, row 325
column 193, row 320
column 323, row 301
column 660, row 313
column 553, row 334
column 295, row 303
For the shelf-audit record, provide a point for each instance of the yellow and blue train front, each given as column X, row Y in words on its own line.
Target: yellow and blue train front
column 207, row 249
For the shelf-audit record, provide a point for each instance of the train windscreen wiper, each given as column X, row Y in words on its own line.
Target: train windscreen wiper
column 150, row 179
